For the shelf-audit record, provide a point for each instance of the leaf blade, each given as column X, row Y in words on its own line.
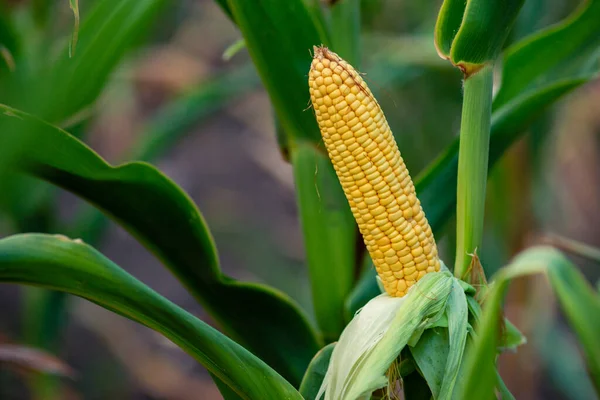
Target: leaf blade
column 279, row 332
column 58, row 263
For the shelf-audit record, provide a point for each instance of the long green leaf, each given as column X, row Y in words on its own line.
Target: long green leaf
column 576, row 296
column 167, row 127
column 345, row 30
column 531, row 62
column 329, row 234
column 58, row 263
column 279, row 37
column 58, row 90
column 165, row 220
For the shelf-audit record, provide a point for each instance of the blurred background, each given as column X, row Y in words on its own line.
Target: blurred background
column 184, row 99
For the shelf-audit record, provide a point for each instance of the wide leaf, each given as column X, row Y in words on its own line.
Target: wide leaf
column 157, row 212
column 59, row 263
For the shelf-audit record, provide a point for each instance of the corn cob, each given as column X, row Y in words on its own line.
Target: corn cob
column 372, row 173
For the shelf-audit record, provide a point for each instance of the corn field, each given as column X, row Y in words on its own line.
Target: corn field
column 440, row 237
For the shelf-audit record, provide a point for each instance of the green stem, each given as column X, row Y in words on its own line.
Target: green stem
column 472, row 166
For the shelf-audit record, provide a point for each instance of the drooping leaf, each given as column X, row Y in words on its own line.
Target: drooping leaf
column 576, row 296
column 162, row 217
column 167, row 127
column 58, row 263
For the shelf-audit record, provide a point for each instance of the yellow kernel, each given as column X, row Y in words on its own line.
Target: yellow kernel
column 405, row 259
column 417, row 252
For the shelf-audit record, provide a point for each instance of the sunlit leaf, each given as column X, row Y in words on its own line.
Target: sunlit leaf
column 59, row 263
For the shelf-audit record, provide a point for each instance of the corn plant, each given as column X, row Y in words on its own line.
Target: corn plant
column 410, row 321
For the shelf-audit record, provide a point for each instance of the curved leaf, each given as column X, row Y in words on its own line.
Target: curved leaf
column 107, row 32
column 578, row 299
column 58, row 263
column 164, row 219
column 170, row 124
column 551, row 53
column 472, row 33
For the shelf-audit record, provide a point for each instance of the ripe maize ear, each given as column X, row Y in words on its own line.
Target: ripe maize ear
column 372, row 173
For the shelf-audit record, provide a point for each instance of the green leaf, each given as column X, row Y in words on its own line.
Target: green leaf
column 430, row 355
column 472, row 34
column 225, row 7
column 447, row 25
column 329, row 234
column 313, row 378
column 233, row 49
column 175, row 119
column 547, row 55
column 162, row 217
column 58, row 263
column 280, row 36
column 167, row 127
column 105, row 35
column 227, row 392
column 581, row 305
column 439, row 351
column 9, row 39
column 457, row 313
column 576, row 296
column 345, row 29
